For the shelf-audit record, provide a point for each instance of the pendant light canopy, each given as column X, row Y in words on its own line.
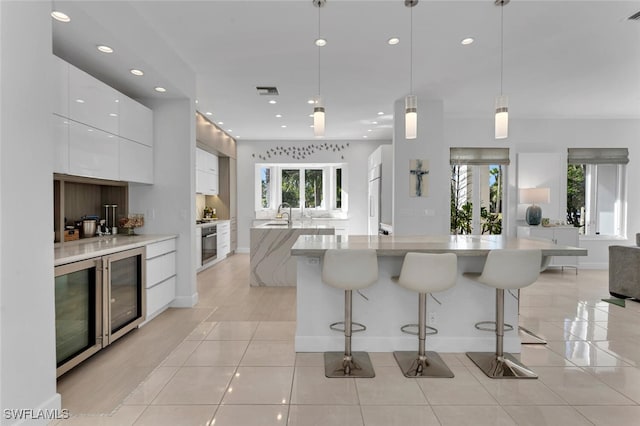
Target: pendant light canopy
column 502, row 106
column 318, row 102
column 411, row 101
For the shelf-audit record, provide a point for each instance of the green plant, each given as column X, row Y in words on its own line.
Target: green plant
column 491, row 222
column 575, row 193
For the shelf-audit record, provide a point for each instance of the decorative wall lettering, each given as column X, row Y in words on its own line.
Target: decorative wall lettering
column 301, row 152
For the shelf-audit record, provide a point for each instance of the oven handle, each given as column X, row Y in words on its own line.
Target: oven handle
column 210, row 235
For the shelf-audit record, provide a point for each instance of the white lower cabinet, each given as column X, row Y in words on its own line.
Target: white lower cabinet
column 161, row 276
column 136, row 162
column 198, row 257
column 560, row 235
column 224, row 239
column 92, row 152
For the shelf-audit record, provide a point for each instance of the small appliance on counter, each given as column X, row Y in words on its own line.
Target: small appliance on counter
column 209, row 214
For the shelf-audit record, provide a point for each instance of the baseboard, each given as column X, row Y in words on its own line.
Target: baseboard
column 593, row 265
column 243, row 250
column 185, row 301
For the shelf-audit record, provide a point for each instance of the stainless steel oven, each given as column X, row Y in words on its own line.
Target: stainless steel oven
column 96, row 302
column 209, row 243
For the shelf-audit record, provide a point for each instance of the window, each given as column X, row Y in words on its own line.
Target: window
column 302, row 186
column 596, row 179
column 477, row 176
column 265, row 187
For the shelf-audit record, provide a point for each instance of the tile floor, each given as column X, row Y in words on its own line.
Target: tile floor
column 230, row 361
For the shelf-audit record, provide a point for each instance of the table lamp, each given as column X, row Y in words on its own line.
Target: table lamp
column 533, row 196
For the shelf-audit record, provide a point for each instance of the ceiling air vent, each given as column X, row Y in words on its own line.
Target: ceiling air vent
column 634, row 17
column 267, row 90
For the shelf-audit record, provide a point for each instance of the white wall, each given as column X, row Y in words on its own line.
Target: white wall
column 169, row 204
column 421, row 215
column 356, row 155
column 555, row 136
column 27, row 319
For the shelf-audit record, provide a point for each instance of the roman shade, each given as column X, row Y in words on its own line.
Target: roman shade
column 479, row 156
column 598, row 155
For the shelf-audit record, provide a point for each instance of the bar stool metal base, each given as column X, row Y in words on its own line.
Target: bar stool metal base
column 335, row 365
column 504, row 367
column 412, row 366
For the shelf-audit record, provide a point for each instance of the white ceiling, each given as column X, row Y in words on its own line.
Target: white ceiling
column 562, row 59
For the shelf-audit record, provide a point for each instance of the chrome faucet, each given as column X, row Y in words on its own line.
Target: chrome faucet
column 279, row 214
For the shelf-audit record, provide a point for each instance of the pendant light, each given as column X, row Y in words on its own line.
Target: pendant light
column 502, row 103
column 411, row 101
column 318, row 102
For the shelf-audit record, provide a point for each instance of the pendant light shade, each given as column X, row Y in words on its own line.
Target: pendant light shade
column 318, row 116
column 411, row 117
column 502, row 117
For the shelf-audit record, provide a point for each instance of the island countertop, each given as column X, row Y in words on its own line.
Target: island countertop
column 394, row 245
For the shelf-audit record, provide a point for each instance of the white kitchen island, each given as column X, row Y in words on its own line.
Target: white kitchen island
column 389, row 306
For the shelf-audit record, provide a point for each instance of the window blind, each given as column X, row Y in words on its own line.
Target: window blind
column 598, row 155
column 479, row 156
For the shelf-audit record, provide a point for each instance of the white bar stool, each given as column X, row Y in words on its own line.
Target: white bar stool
column 425, row 273
column 506, row 269
column 349, row 270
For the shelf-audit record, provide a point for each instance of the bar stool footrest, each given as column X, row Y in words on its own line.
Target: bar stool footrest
column 412, row 366
column 356, row 327
column 430, row 330
column 336, row 365
column 505, row 367
column 479, row 326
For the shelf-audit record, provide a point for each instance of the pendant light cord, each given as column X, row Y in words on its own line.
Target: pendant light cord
column 319, row 48
column 501, row 44
column 411, row 51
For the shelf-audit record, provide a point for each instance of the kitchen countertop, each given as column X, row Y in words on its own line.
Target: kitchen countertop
column 210, row 223
column 74, row 251
column 393, row 245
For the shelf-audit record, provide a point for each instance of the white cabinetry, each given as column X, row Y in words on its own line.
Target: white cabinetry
column 136, row 121
column 161, row 276
column 60, row 134
column 60, row 78
column 224, row 239
column 92, row 102
column 136, row 161
column 92, row 152
column 560, row 235
column 206, row 172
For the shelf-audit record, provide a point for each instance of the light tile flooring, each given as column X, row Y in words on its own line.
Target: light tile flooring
column 230, row 361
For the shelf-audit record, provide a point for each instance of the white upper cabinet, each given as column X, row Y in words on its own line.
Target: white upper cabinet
column 92, row 102
column 136, row 121
column 136, row 162
column 60, row 144
column 206, row 172
column 92, row 152
column 60, row 84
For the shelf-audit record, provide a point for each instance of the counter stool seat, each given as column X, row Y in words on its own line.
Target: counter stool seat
column 425, row 273
column 504, row 270
column 349, row 270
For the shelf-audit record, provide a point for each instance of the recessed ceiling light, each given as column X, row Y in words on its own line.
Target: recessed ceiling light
column 208, row 113
column 284, row 126
column 113, row 114
column 160, row 89
column 136, row 72
column 369, row 130
column 374, row 122
column 117, row 100
column 89, row 130
column 80, row 101
column 467, row 41
column 105, row 49
column 278, row 115
column 321, row 42
column 196, row 101
column 273, row 101
column 221, row 122
column 381, row 113
column 393, row 41
column 230, row 131
column 365, row 136
column 60, row 16
column 311, row 102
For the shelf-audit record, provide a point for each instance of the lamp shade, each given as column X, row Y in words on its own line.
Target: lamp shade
column 318, row 117
column 410, row 117
column 535, row 195
column 502, row 118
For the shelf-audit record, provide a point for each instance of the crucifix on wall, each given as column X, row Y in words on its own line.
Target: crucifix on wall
column 418, row 178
